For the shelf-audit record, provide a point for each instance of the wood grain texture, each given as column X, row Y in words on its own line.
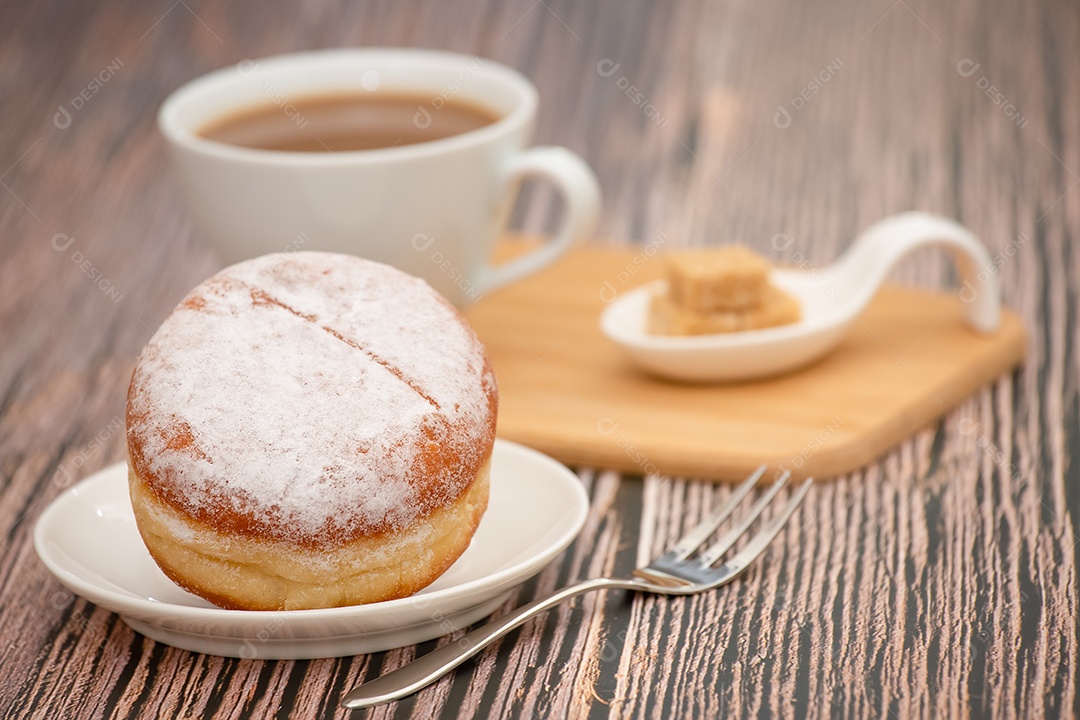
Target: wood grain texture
column 567, row 390
column 939, row 581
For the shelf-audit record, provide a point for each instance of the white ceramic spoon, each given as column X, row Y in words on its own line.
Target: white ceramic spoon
column 831, row 298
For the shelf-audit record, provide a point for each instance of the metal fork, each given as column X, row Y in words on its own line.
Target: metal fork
column 673, row 573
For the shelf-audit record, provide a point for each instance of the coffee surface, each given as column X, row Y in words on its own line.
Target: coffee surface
column 344, row 122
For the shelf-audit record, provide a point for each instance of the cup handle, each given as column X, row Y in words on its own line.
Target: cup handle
column 580, row 190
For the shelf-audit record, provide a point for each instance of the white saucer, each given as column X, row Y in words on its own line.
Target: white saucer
column 88, row 540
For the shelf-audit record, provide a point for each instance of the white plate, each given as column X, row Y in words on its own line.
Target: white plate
column 88, row 540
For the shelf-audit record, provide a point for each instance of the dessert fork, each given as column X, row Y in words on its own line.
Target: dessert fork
column 677, row 572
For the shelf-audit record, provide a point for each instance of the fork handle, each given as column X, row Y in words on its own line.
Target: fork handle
column 425, row 670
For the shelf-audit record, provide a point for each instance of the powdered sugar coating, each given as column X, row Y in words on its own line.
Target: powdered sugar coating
column 311, row 398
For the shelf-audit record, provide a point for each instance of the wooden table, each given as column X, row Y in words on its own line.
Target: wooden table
column 939, row 581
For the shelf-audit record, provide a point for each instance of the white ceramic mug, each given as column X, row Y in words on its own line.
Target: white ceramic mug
column 433, row 209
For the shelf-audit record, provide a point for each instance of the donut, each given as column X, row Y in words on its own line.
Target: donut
column 309, row 430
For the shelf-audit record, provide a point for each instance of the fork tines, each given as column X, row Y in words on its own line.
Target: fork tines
column 700, row 534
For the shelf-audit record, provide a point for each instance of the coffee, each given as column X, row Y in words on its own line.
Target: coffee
column 433, row 209
column 347, row 121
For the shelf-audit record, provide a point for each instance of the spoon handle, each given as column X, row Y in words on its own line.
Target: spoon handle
column 884, row 243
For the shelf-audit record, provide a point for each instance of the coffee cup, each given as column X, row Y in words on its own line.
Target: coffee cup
column 433, row 208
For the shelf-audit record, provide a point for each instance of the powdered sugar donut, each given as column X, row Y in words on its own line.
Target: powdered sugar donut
column 310, row 430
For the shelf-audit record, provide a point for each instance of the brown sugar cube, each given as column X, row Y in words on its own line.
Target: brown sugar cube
column 723, row 278
column 668, row 318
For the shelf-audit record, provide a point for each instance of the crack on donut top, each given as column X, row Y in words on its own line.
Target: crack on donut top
column 262, row 297
column 244, row 413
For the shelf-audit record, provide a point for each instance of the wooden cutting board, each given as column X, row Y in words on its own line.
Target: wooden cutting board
column 566, row 390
